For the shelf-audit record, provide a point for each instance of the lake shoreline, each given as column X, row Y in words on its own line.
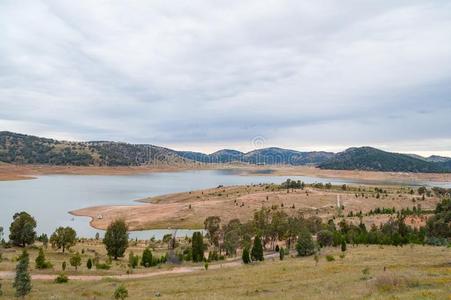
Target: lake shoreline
column 12, row 172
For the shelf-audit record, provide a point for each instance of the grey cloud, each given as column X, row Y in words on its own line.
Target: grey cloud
column 299, row 73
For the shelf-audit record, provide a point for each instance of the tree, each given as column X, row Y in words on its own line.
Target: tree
column 305, row 245
column 22, row 229
column 63, row 238
column 121, row 292
column 231, row 241
column 116, row 239
column 89, row 264
column 343, row 245
column 439, row 225
column 325, row 238
column 22, row 282
column 197, row 246
column 213, row 225
column 75, row 260
column 44, row 239
column 257, row 250
column 146, row 259
column 40, row 261
column 245, row 256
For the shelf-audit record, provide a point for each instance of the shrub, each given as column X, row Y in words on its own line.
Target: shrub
column 63, row 266
column 245, row 256
column 281, row 253
column 146, row 259
column 121, row 292
column 305, row 245
column 40, row 261
column 102, row 266
column 330, row 258
column 206, row 265
column 343, row 245
column 62, row 278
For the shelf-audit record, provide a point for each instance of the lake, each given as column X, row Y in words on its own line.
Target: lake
column 49, row 198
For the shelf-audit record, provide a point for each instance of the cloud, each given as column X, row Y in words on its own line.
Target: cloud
column 326, row 74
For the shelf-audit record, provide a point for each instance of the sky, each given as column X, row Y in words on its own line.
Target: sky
column 207, row 75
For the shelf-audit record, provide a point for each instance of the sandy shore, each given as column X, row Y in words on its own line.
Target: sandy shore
column 21, row 172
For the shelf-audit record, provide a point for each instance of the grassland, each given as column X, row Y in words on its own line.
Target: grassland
column 411, row 272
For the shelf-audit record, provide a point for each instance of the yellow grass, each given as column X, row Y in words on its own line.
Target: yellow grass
column 418, row 272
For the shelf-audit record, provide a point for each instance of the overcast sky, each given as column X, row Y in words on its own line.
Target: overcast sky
column 205, row 75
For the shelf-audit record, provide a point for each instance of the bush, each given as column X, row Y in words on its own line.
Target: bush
column 40, row 261
column 330, row 258
column 121, row 292
column 62, row 278
column 102, row 266
column 245, row 256
column 281, row 253
column 147, row 260
column 343, row 245
column 305, row 245
column 206, row 265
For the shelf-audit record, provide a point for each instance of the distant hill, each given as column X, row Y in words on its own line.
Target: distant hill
column 372, row 159
column 27, row 149
column 266, row 156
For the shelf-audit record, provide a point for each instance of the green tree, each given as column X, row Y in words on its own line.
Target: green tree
column 89, row 264
column 439, row 225
column 197, row 247
column 231, row 241
column 257, row 250
column 116, row 239
column 281, row 253
column 245, row 256
column 63, row 238
column 22, row 229
column 343, row 245
column 75, row 260
column 325, row 238
column 305, row 245
column 146, row 259
column 213, row 226
column 40, row 261
column 22, row 282
column 121, row 292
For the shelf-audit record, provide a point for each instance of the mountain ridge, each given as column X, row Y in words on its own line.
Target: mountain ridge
column 28, row 149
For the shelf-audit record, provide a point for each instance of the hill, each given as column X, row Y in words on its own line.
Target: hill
column 265, row 156
column 26, row 149
column 372, row 159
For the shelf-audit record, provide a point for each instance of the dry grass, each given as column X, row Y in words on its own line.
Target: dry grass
column 189, row 209
column 421, row 272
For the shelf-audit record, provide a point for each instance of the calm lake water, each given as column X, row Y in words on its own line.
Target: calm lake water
column 49, row 198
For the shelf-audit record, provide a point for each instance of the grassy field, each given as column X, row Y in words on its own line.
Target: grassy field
column 411, row 272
